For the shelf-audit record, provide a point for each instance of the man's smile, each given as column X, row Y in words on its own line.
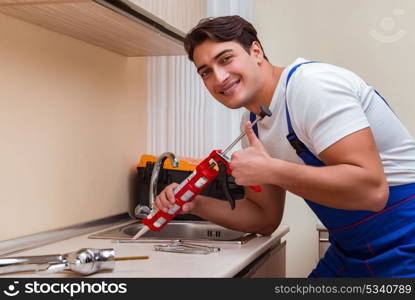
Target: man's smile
column 230, row 88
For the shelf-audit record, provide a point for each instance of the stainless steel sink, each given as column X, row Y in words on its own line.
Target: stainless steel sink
column 177, row 230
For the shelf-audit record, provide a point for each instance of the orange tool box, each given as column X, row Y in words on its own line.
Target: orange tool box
column 168, row 174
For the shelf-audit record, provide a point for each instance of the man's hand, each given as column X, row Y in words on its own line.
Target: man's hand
column 249, row 166
column 165, row 200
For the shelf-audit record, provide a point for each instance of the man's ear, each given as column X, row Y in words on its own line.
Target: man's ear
column 256, row 52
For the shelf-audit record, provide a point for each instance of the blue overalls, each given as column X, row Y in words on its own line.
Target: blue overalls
column 363, row 243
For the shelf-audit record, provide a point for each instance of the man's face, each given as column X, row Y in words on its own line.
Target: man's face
column 231, row 75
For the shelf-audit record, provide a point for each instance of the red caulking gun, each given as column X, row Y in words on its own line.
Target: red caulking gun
column 216, row 164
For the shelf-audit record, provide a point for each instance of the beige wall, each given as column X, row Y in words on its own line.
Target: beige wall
column 355, row 34
column 72, row 126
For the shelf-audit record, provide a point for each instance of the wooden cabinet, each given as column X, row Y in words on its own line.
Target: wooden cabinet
column 119, row 26
column 181, row 14
column 271, row 264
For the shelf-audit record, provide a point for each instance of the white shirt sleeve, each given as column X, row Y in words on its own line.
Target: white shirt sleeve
column 324, row 107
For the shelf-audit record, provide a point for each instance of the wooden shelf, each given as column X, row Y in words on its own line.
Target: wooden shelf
column 129, row 33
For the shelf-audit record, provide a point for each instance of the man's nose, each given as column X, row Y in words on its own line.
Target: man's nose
column 220, row 75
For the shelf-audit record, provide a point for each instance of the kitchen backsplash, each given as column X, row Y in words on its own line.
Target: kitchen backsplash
column 73, row 123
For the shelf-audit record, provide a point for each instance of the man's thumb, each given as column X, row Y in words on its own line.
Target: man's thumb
column 252, row 138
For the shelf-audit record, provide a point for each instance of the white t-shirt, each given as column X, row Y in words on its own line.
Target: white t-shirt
column 327, row 103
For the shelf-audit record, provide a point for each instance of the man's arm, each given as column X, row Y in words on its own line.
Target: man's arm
column 353, row 178
column 257, row 212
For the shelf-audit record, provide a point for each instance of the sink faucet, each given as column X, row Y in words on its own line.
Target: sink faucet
column 155, row 175
column 141, row 210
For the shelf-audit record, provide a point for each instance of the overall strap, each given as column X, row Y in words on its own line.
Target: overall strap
column 301, row 149
column 252, row 116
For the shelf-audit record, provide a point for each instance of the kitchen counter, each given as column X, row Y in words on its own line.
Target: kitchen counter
column 228, row 262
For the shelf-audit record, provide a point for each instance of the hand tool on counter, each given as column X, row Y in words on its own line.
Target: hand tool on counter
column 180, row 246
column 216, row 164
column 84, row 261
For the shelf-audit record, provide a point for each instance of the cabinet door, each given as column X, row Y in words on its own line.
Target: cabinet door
column 182, row 14
column 271, row 264
column 274, row 265
column 99, row 23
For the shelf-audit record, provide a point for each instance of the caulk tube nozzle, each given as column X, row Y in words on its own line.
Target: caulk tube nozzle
column 141, row 232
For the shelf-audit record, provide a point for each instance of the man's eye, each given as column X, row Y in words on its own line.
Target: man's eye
column 204, row 73
column 226, row 59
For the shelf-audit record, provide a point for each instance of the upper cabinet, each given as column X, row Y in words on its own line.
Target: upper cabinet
column 127, row 27
column 181, row 14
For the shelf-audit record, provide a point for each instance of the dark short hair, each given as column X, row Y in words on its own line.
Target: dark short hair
column 221, row 29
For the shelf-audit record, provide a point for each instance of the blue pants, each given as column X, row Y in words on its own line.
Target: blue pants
column 379, row 245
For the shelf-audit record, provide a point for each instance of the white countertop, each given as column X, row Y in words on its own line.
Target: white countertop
column 227, row 262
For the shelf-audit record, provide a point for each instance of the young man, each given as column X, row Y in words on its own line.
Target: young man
column 332, row 139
